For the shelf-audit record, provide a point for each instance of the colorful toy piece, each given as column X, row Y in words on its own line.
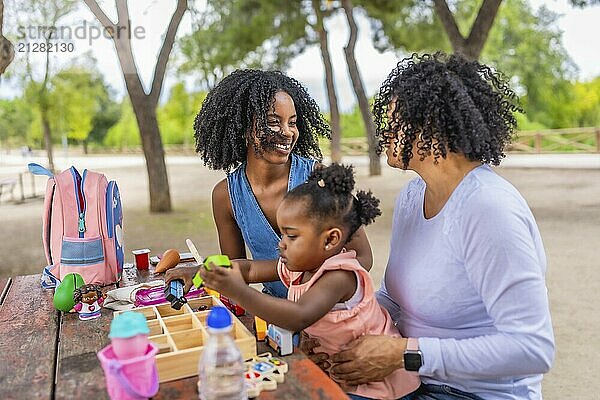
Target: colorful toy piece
column 280, row 340
column 89, row 299
column 129, row 362
column 174, row 294
column 129, row 335
column 260, row 327
column 63, row 294
column 235, row 308
column 263, row 373
column 222, row 261
column 157, row 295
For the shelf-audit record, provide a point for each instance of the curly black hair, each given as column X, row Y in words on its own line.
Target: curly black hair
column 80, row 291
column 328, row 197
column 449, row 104
column 239, row 104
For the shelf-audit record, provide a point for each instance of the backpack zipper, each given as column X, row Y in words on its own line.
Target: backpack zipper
column 79, row 181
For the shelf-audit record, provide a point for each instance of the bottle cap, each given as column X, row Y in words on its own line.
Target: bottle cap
column 218, row 318
column 128, row 324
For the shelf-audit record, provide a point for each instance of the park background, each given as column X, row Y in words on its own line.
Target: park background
column 131, row 117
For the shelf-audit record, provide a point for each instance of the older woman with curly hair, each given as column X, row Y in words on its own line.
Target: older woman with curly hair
column 465, row 280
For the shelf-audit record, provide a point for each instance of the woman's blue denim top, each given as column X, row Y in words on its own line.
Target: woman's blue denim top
column 259, row 235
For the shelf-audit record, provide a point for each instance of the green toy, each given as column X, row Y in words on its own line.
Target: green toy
column 219, row 259
column 63, row 294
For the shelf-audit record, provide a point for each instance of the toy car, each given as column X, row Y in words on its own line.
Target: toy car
column 236, row 309
column 280, row 340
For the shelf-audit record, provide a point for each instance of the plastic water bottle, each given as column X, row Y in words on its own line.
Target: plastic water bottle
column 221, row 368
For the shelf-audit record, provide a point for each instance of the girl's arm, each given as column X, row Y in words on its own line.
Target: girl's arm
column 257, row 271
column 231, row 240
column 330, row 289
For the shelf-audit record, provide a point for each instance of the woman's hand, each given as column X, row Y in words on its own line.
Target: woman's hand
column 308, row 345
column 369, row 358
column 186, row 274
column 226, row 281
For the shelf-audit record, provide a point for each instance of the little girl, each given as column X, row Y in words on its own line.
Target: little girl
column 330, row 295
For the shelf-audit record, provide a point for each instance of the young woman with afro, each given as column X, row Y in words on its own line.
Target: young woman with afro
column 262, row 129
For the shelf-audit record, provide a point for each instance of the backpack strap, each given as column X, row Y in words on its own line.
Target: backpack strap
column 48, row 280
column 37, row 169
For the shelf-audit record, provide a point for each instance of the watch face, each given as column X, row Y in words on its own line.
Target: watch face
column 412, row 360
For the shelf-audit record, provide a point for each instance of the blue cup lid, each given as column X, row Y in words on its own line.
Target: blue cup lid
column 128, row 324
column 218, row 318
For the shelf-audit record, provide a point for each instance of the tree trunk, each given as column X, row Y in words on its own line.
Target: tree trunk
column 336, row 134
column 144, row 105
column 84, row 145
column 359, row 90
column 158, row 182
column 472, row 46
column 47, row 137
column 7, row 50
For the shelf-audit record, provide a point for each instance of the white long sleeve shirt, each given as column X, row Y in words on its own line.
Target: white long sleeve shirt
column 469, row 283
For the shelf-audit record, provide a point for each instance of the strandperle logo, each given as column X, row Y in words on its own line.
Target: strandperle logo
column 82, row 32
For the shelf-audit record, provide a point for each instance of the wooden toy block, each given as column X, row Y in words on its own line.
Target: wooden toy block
column 263, row 373
column 181, row 334
column 260, row 327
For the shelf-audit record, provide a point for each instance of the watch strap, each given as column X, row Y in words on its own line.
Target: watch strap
column 412, row 344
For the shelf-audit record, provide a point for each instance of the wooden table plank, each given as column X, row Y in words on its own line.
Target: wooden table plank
column 28, row 332
column 79, row 373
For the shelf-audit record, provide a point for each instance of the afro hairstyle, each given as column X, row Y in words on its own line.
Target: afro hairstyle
column 238, row 105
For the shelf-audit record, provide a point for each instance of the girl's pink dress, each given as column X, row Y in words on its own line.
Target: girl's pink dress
column 340, row 327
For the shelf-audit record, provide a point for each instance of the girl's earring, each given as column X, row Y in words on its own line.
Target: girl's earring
column 326, row 247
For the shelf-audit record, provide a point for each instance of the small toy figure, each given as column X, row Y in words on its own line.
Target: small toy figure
column 88, row 299
column 174, row 294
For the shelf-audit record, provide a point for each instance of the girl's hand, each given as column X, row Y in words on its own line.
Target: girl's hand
column 186, row 274
column 227, row 281
column 369, row 358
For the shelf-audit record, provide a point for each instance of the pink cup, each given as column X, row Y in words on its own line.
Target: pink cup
column 131, row 347
column 130, row 379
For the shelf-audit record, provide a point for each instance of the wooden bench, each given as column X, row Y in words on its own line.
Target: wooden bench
column 8, row 185
column 46, row 354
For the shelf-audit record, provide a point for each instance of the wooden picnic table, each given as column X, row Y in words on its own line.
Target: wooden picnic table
column 47, row 354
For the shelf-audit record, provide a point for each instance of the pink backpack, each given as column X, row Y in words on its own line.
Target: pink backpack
column 82, row 227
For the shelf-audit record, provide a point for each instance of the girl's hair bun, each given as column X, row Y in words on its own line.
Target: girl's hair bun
column 367, row 207
column 335, row 178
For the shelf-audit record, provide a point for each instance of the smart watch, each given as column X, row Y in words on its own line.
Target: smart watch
column 413, row 358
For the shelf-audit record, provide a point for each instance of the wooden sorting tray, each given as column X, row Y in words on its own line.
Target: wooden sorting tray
column 181, row 335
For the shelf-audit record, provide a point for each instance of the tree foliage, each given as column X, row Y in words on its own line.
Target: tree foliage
column 523, row 44
column 176, row 116
column 16, row 117
column 231, row 34
column 76, row 96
